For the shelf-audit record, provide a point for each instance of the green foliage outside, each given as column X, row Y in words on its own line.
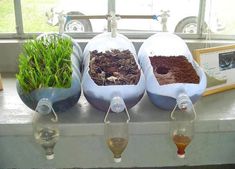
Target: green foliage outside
column 33, row 13
column 7, row 16
column 45, row 62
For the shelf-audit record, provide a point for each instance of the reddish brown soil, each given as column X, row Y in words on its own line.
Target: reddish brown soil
column 173, row 69
column 113, row 67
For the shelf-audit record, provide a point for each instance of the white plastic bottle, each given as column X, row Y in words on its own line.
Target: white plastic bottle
column 164, row 96
column 100, row 96
column 60, row 98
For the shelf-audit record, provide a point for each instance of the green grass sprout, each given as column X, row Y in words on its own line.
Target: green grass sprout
column 45, row 62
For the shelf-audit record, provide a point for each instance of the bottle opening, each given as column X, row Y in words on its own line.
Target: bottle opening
column 44, row 106
column 181, row 155
column 117, row 160
column 184, row 103
column 50, row 157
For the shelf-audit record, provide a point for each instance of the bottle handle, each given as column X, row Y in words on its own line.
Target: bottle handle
column 110, row 108
column 55, row 119
column 107, row 113
column 172, row 117
column 194, row 112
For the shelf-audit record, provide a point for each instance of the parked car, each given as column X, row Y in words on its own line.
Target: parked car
column 173, row 16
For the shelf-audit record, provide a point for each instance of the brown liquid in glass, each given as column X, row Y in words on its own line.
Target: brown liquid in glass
column 117, row 145
column 181, row 142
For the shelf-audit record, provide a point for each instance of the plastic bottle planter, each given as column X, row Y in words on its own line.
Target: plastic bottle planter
column 99, row 95
column 165, row 45
column 60, row 98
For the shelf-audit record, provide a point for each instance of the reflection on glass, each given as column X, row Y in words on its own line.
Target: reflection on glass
column 218, row 16
column 181, row 15
column 227, row 60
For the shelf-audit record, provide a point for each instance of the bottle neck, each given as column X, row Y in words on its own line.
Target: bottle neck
column 44, row 106
column 184, row 103
column 117, row 104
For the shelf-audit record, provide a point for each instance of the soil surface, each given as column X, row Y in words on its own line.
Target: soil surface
column 173, row 69
column 113, row 67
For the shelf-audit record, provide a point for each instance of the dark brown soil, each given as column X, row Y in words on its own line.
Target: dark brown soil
column 173, row 69
column 113, row 67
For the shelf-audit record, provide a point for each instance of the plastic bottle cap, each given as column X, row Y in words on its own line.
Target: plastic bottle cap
column 117, row 160
column 50, row 157
column 117, row 104
column 184, row 102
column 181, row 155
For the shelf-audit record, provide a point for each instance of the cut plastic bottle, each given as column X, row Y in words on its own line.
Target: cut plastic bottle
column 45, row 127
column 116, row 133
column 182, row 124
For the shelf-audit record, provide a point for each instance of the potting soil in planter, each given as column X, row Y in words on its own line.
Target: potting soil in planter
column 173, row 69
column 170, row 70
column 49, row 90
column 111, row 69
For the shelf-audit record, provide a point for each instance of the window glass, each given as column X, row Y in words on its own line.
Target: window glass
column 42, row 15
column 174, row 16
column 219, row 16
column 7, row 16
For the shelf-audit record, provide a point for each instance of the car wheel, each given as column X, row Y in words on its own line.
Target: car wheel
column 188, row 25
column 77, row 25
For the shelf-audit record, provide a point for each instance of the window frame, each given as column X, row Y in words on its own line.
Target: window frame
column 20, row 34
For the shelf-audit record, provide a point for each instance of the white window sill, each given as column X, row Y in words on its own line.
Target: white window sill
column 216, row 111
column 82, row 144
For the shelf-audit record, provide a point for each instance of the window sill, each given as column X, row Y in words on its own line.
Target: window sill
column 82, row 127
